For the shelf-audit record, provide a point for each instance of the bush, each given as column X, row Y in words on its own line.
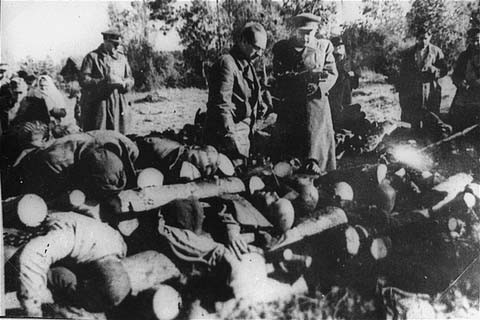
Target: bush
column 376, row 40
column 207, row 31
column 153, row 69
column 448, row 20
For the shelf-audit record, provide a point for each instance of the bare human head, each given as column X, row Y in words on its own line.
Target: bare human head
column 253, row 40
column 423, row 36
column 473, row 38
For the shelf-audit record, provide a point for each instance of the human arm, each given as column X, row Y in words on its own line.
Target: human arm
column 235, row 241
column 438, row 68
column 329, row 73
column 34, row 262
column 221, row 95
column 87, row 79
column 128, row 81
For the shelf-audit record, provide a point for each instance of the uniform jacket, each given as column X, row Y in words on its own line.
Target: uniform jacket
column 50, row 171
column 72, row 237
column 233, row 98
column 104, row 106
column 304, row 126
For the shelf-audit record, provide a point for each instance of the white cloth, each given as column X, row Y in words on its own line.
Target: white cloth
column 52, row 96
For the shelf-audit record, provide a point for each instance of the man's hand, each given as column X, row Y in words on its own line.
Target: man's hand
column 311, row 88
column 238, row 246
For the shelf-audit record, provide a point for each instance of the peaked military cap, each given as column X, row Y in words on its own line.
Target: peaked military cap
column 112, row 34
column 306, row 21
column 336, row 41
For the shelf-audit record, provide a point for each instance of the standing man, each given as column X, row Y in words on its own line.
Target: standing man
column 234, row 94
column 305, row 71
column 340, row 95
column 419, row 91
column 105, row 78
column 465, row 109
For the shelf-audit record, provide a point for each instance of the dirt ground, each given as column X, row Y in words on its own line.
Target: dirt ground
column 177, row 107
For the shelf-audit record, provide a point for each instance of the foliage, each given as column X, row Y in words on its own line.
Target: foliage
column 209, row 29
column 151, row 69
column 448, row 21
column 132, row 22
column 202, row 33
column 164, row 11
column 38, row 67
column 376, row 40
column 325, row 10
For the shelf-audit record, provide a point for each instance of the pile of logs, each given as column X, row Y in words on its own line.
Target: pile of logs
column 340, row 227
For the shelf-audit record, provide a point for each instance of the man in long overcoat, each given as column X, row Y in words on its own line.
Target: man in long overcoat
column 234, row 94
column 421, row 67
column 305, row 71
column 105, row 78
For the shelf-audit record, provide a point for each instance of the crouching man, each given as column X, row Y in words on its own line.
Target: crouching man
column 78, row 258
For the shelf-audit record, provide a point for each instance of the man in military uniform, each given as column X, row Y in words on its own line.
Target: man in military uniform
column 105, row 78
column 234, row 94
column 305, row 71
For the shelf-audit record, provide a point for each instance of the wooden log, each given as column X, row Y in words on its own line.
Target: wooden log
column 134, row 201
column 380, row 247
column 326, row 220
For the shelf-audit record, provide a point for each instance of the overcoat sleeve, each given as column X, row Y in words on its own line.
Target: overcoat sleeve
column 86, row 71
column 329, row 69
column 129, row 81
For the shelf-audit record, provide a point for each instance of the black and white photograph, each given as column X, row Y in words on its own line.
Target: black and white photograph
column 240, row 159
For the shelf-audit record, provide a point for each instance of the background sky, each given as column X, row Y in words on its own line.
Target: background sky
column 72, row 27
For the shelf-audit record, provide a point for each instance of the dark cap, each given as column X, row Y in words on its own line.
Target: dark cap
column 112, row 35
column 422, row 30
column 472, row 32
column 306, row 21
column 336, row 41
